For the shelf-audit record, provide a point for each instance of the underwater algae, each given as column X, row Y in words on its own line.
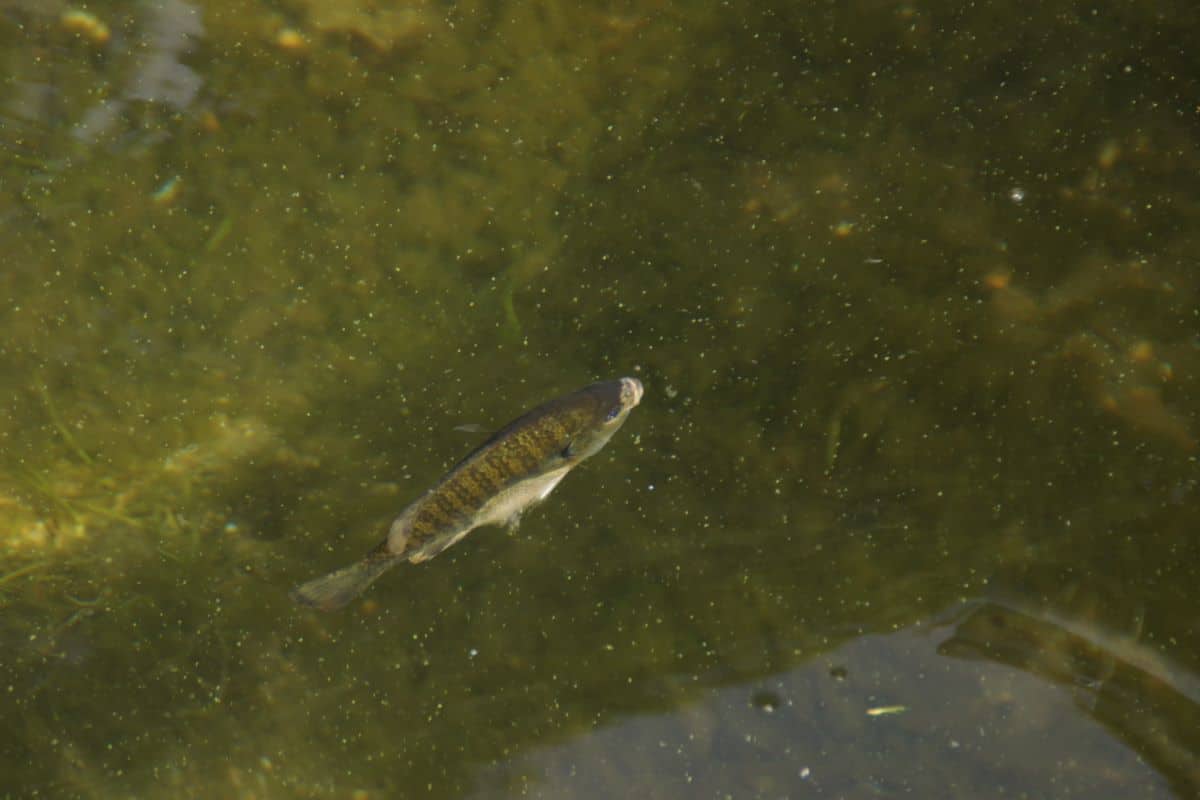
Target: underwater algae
column 891, row 344
column 193, row 280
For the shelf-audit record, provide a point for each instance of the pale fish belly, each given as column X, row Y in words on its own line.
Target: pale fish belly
column 503, row 509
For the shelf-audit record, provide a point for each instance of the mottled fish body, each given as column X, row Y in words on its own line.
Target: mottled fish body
column 517, row 467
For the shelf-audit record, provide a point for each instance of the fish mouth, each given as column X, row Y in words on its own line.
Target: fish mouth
column 631, row 392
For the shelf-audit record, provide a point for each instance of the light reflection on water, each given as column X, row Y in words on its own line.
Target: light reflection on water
column 989, row 701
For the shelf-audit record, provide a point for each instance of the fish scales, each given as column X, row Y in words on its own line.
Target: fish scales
column 515, row 468
column 488, row 470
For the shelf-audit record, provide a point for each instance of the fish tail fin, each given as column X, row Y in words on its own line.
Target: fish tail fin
column 338, row 588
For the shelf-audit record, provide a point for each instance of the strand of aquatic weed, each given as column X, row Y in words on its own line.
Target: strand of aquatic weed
column 37, row 481
column 61, row 427
column 21, row 572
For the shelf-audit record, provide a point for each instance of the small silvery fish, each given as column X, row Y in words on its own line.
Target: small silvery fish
column 514, row 469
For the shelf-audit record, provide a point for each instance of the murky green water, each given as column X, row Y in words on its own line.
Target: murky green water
column 910, row 505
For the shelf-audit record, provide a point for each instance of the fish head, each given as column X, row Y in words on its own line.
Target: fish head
column 631, row 393
column 617, row 399
column 600, row 410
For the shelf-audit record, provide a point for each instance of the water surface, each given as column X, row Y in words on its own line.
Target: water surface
column 909, row 506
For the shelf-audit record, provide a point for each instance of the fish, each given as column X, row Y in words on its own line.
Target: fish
column 514, row 469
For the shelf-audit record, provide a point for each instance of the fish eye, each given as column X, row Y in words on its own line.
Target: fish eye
column 613, row 414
